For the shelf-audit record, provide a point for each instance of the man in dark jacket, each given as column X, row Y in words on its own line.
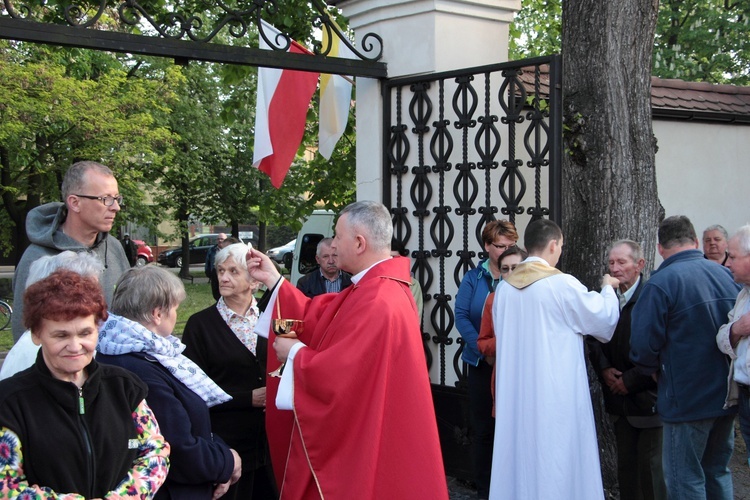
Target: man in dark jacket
column 630, row 397
column 673, row 334
column 328, row 277
column 210, row 268
column 131, row 249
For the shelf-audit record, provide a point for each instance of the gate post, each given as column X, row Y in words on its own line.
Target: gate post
column 419, row 37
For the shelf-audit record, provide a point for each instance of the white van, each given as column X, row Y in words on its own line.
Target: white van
column 318, row 226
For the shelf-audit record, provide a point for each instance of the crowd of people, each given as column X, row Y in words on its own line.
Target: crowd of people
column 99, row 398
column 661, row 349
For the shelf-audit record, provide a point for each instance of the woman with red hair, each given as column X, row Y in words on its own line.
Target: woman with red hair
column 69, row 427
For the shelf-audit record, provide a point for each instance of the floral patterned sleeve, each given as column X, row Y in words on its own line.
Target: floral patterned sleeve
column 13, row 482
column 148, row 473
column 150, row 469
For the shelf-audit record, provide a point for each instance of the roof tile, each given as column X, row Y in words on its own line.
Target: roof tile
column 679, row 95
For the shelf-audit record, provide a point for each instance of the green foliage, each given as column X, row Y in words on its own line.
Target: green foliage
column 180, row 138
column 696, row 40
column 59, row 106
column 703, row 40
column 536, row 29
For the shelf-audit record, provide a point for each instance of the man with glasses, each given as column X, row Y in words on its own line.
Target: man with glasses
column 80, row 223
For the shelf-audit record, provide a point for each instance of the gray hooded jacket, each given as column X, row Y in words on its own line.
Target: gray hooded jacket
column 43, row 228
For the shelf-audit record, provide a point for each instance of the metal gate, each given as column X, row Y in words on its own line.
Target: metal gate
column 460, row 149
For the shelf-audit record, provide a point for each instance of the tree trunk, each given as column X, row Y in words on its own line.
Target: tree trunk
column 183, row 218
column 609, row 178
column 262, row 228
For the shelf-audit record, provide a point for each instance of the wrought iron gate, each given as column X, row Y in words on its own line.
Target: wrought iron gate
column 451, row 141
column 458, row 148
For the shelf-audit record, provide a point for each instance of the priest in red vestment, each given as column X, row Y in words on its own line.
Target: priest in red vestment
column 354, row 416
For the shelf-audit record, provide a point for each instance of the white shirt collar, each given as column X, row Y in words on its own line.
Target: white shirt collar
column 360, row 275
column 630, row 291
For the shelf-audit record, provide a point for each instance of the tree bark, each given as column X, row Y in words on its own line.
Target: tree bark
column 609, row 178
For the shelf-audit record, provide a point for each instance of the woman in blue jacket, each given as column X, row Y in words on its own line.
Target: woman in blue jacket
column 478, row 283
column 138, row 336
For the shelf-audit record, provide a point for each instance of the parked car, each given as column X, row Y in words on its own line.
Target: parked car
column 145, row 254
column 199, row 246
column 283, row 254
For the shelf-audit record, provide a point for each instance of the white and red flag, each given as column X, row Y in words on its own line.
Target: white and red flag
column 280, row 112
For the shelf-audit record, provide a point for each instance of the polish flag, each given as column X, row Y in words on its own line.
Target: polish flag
column 280, row 113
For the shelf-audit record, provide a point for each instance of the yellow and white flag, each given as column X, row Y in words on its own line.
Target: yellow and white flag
column 335, row 100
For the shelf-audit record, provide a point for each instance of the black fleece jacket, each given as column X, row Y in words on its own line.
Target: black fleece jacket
column 44, row 412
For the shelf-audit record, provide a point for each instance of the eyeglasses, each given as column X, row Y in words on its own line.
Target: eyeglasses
column 507, row 269
column 503, row 247
column 107, row 200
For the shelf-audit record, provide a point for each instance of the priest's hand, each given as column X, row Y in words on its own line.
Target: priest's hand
column 608, row 280
column 282, row 346
column 261, row 268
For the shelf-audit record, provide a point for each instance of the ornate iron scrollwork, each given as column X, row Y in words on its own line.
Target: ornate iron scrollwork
column 481, row 129
column 198, row 27
column 371, row 44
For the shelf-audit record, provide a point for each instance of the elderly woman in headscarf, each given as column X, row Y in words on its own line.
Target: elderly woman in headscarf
column 23, row 353
column 70, row 427
column 138, row 336
column 220, row 339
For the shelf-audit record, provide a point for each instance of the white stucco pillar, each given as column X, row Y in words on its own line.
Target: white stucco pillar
column 419, row 36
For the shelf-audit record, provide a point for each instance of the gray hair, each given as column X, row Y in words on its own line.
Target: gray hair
column 140, row 290
column 716, row 227
column 636, row 251
column 325, row 242
column 371, row 219
column 743, row 238
column 75, row 178
column 236, row 251
column 83, row 263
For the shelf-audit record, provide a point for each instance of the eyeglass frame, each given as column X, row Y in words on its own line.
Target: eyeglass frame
column 503, row 247
column 507, row 269
column 103, row 199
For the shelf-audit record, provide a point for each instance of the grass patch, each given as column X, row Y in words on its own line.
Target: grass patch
column 199, row 297
column 6, row 340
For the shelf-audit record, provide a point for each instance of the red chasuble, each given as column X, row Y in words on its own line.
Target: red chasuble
column 363, row 424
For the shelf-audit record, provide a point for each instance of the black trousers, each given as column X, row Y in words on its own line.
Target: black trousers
column 483, row 424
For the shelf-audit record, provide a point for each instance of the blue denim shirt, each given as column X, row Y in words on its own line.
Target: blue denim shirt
column 470, row 299
column 674, row 325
